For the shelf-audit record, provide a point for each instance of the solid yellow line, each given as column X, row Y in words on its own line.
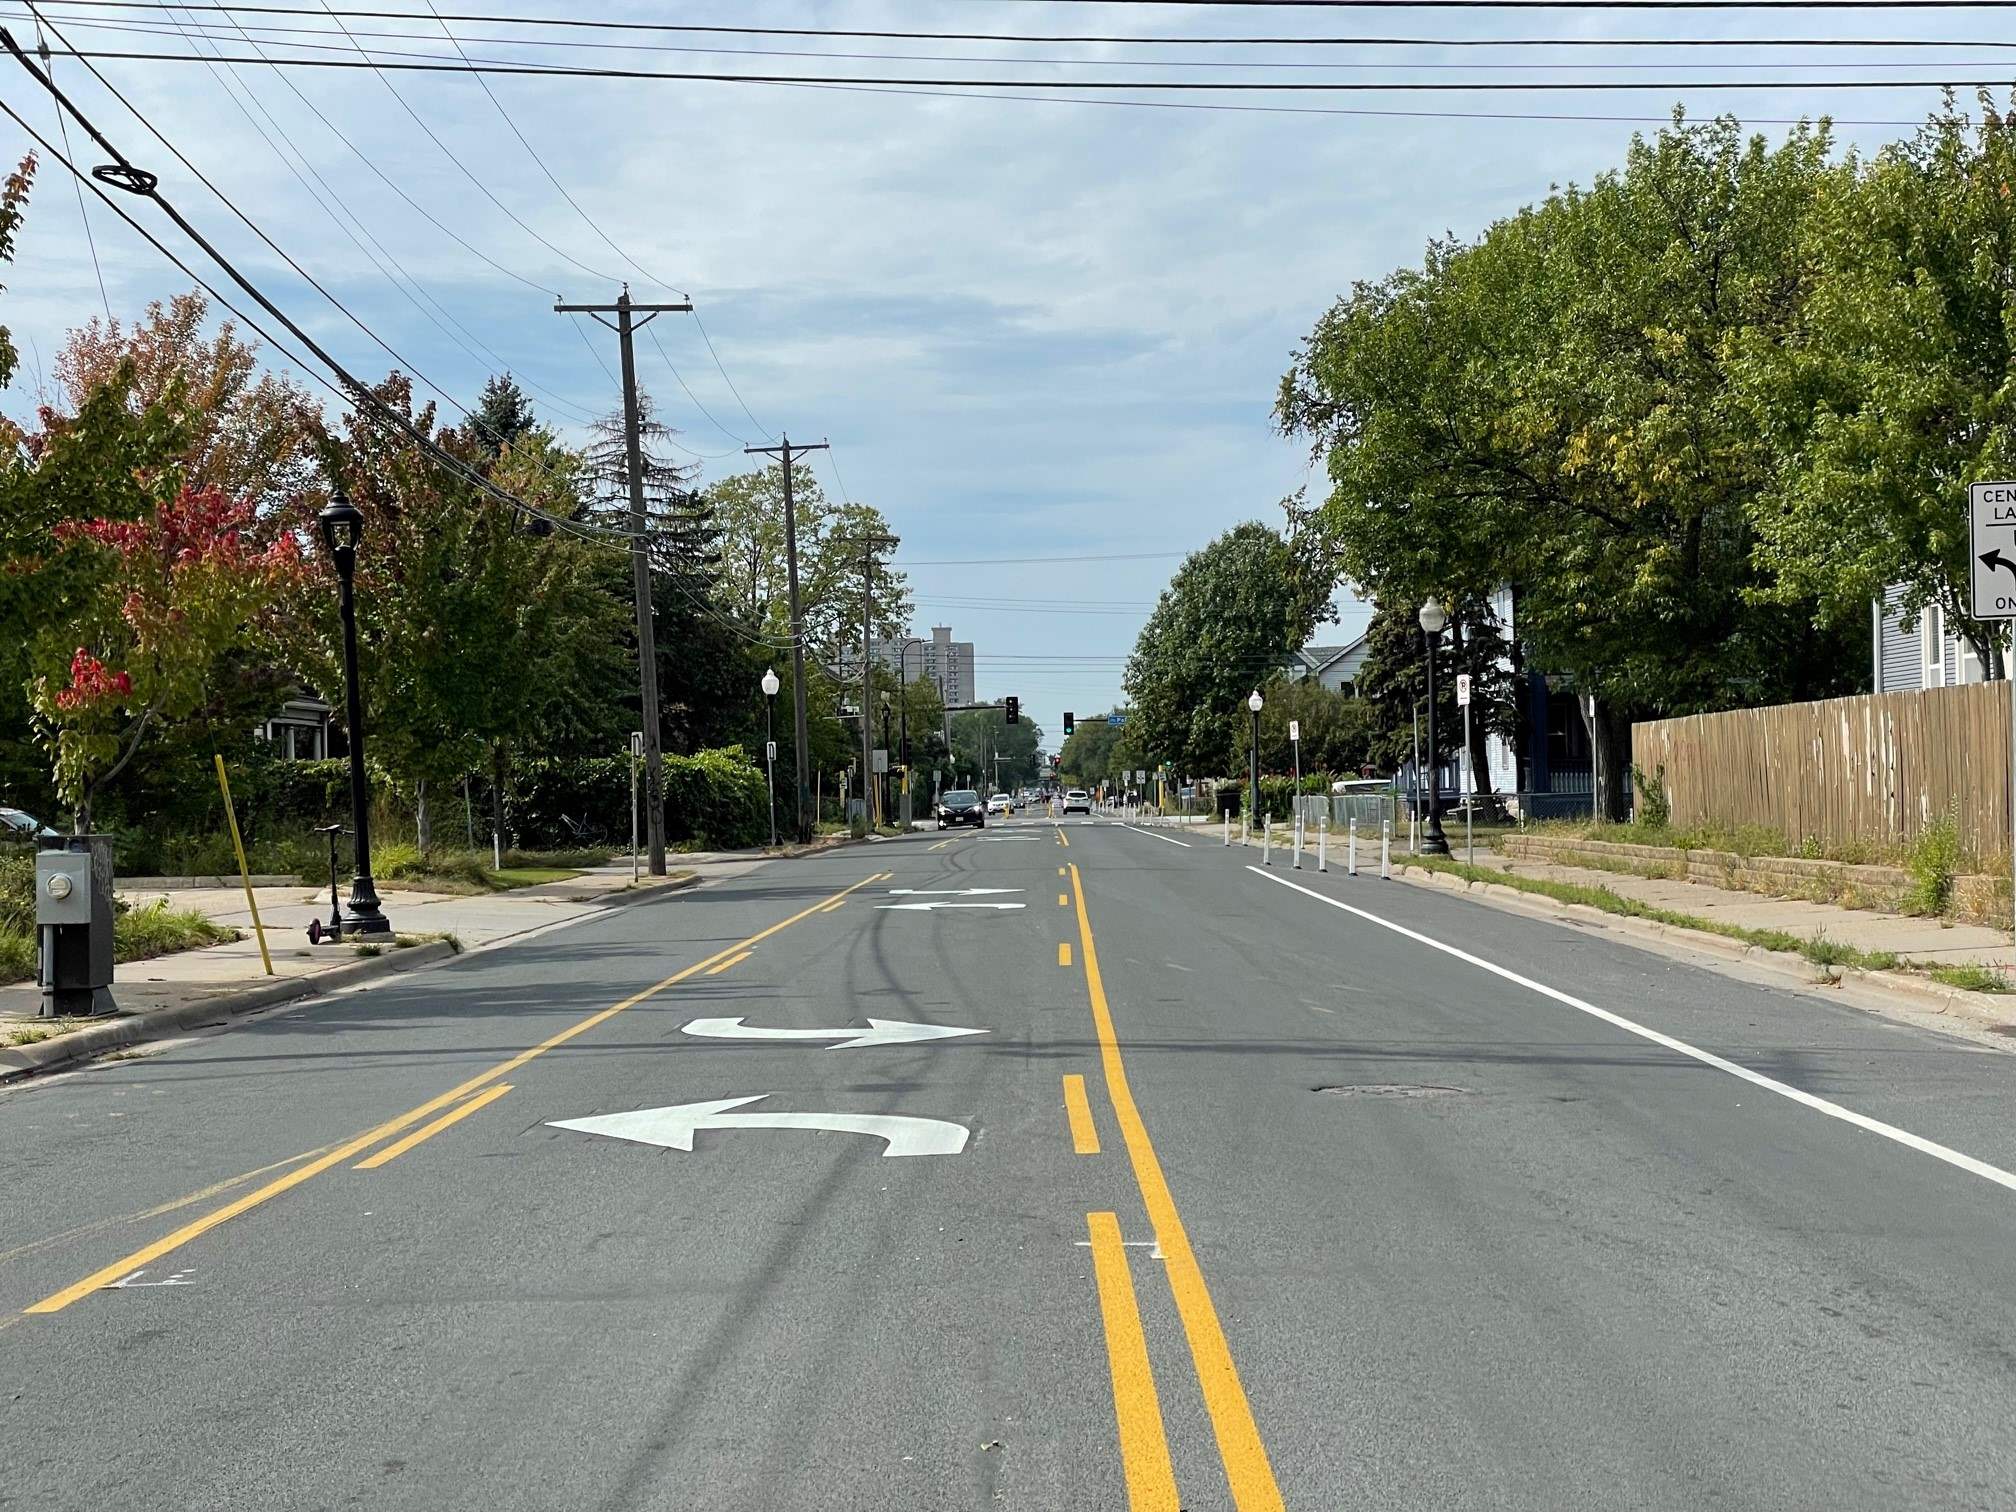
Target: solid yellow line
column 148, row 1254
column 1144, row 1447
column 453, row 1116
column 1063, row 952
column 734, row 960
column 1084, row 1132
column 1239, row 1446
column 159, row 1210
column 1062, row 841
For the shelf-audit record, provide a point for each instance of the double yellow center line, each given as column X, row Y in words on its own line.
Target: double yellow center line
column 1143, row 1447
column 168, row 1244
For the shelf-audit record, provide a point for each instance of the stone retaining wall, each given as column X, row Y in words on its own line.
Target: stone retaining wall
column 1977, row 899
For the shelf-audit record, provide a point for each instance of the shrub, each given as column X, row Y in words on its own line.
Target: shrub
column 17, row 895
column 1653, row 810
column 1934, row 858
column 716, row 797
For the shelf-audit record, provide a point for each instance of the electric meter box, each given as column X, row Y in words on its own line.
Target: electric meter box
column 63, row 887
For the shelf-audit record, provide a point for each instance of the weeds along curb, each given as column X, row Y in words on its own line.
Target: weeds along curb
column 1980, row 1007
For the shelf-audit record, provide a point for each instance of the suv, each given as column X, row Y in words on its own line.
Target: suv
column 1077, row 801
column 961, row 806
column 1000, row 803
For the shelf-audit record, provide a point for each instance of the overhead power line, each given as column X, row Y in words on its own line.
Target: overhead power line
column 125, row 175
column 282, row 33
column 691, row 29
column 376, row 61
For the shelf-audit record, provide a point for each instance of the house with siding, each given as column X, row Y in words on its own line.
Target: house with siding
column 1332, row 667
column 1909, row 656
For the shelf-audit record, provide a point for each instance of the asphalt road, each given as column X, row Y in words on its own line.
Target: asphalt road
column 1241, row 1199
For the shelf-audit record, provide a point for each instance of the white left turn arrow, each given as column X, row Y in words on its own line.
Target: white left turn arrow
column 673, row 1128
column 878, row 1032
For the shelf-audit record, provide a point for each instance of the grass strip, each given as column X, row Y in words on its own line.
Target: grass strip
column 1820, row 950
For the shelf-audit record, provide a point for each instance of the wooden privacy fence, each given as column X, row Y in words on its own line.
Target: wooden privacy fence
column 1873, row 770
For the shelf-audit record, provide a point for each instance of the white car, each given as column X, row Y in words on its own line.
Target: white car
column 1077, row 801
column 1000, row 803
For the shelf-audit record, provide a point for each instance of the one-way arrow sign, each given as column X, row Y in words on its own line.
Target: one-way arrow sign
column 878, row 1032
column 673, row 1128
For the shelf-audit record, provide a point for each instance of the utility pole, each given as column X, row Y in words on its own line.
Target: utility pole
column 869, row 545
column 624, row 326
column 801, row 750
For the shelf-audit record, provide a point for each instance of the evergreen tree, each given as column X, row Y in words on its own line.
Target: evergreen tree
column 502, row 415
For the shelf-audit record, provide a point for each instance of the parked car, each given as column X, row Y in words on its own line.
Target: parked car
column 1077, row 801
column 19, row 827
column 961, row 806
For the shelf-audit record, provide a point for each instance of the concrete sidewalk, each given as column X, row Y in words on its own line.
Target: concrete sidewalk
column 218, row 971
column 1930, row 942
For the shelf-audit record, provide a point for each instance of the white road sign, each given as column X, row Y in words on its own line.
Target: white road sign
column 1295, row 730
column 1462, row 690
column 1991, row 556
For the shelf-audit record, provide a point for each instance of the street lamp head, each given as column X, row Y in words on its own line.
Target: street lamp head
column 1433, row 617
column 770, row 683
column 342, row 523
column 1256, row 703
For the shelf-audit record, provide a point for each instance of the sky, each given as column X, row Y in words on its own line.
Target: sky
column 1042, row 335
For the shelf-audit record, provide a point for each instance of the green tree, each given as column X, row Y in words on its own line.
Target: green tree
column 1086, row 758
column 1393, row 684
column 1892, row 393
column 749, row 509
column 503, row 415
column 1337, row 730
column 1555, row 407
column 1225, row 623
column 478, row 640
column 980, row 735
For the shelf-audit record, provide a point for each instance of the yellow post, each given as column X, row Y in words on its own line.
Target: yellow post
column 244, row 871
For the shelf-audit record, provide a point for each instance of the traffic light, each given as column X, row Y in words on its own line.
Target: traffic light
column 1068, row 722
column 1014, row 705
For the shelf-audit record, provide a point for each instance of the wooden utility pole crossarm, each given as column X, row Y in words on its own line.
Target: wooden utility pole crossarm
column 625, row 326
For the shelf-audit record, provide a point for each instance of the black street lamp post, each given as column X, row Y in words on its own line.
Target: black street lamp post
column 342, row 527
column 1256, row 704
column 770, row 687
column 1433, row 841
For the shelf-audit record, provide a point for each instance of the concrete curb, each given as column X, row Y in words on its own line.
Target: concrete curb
column 1981, row 1007
column 199, row 883
column 635, row 892
column 95, row 1039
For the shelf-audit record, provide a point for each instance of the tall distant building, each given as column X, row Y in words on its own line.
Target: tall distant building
column 945, row 663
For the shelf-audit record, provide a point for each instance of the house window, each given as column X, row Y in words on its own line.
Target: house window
column 1932, row 647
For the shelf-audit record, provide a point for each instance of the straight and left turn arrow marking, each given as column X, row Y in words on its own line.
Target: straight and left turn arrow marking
column 878, row 1032
column 673, row 1128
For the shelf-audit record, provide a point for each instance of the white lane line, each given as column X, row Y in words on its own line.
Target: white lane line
column 1170, row 838
column 1875, row 1126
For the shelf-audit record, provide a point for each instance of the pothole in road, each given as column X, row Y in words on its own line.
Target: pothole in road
column 1395, row 1090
